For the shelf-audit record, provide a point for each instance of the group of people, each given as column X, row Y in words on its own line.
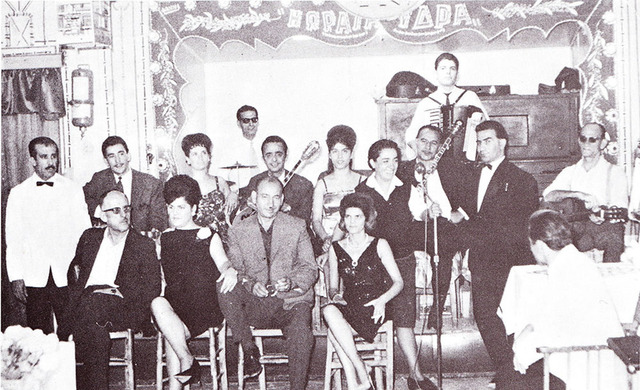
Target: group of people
column 259, row 268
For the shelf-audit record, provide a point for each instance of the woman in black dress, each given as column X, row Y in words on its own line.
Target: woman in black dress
column 371, row 279
column 193, row 261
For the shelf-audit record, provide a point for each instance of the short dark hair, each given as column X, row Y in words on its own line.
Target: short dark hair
column 501, row 132
column 44, row 141
column 111, row 141
column 378, row 146
column 432, row 128
column 269, row 179
column 447, row 56
column 362, row 202
column 274, row 139
column 550, row 227
column 340, row 134
column 190, row 141
column 245, row 108
column 182, row 186
column 603, row 131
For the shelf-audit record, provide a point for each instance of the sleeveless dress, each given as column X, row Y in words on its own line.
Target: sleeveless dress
column 331, row 206
column 363, row 282
column 211, row 212
column 191, row 277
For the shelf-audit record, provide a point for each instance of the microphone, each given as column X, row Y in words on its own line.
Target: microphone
column 420, row 169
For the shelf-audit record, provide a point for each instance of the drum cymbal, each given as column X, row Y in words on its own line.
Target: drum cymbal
column 237, row 165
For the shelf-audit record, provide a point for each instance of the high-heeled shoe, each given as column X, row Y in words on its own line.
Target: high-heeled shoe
column 424, row 384
column 191, row 375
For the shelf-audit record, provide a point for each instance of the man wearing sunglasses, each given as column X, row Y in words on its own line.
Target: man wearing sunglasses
column 113, row 278
column 236, row 154
column 596, row 183
column 46, row 215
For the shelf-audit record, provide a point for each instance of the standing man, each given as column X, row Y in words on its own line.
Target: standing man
column 46, row 215
column 445, row 193
column 273, row 256
column 500, row 201
column 450, row 96
column 595, row 182
column 114, row 276
column 149, row 212
column 298, row 192
column 239, row 148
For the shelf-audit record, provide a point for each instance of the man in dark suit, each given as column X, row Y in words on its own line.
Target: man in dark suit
column 445, row 181
column 298, row 192
column 116, row 274
column 149, row 213
column 501, row 199
column 273, row 256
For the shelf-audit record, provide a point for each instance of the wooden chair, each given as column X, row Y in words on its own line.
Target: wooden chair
column 127, row 360
column 265, row 359
column 216, row 359
column 378, row 355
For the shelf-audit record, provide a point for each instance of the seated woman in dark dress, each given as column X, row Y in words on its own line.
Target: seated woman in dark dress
column 371, row 279
column 193, row 261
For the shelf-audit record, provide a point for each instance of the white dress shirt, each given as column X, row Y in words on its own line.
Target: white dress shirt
column 373, row 183
column 234, row 147
column 43, row 227
column 127, row 182
column 105, row 267
column 485, row 179
column 436, row 194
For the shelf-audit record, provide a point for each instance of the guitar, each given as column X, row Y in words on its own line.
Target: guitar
column 445, row 146
column 574, row 210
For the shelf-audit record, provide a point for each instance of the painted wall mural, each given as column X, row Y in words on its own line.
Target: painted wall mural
column 274, row 22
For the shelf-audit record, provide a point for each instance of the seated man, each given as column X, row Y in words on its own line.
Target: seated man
column 273, row 256
column 149, row 213
column 597, row 183
column 298, row 191
column 585, row 314
column 118, row 277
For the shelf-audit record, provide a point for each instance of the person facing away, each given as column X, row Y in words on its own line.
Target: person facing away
column 193, row 263
column 113, row 278
column 272, row 253
column 148, row 213
column 597, row 184
column 46, row 215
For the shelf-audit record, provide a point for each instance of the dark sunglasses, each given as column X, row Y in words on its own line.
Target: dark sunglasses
column 592, row 140
column 247, row 120
column 118, row 210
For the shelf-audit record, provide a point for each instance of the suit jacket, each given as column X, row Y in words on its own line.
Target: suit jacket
column 298, row 194
column 454, row 176
column 138, row 275
column 149, row 210
column 496, row 235
column 291, row 256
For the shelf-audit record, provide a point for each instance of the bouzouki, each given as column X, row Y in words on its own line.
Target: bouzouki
column 445, row 146
column 574, row 210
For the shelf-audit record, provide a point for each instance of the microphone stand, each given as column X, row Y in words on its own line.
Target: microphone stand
column 436, row 295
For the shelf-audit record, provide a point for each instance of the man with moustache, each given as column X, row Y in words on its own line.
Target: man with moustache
column 273, row 256
column 149, row 212
column 113, row 278
column 445, row 181
column 596, row 182
column 500, row 200
column 46, row 215
column 448, row 95
column 298, row 192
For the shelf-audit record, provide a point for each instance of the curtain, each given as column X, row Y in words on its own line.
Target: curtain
column 28, row 91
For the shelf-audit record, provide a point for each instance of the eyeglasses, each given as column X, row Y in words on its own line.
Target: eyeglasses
column 592, row 140
column 118, row 210
column 247, row 120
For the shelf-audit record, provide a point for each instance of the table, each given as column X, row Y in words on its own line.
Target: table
column 523, row 300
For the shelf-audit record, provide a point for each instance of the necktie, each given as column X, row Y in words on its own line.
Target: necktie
column 119, row 185
column 43, row 183
column 447, row 102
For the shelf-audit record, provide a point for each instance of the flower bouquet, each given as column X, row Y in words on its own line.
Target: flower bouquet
column 32, row 360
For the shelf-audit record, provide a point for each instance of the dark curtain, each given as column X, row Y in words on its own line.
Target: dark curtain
column 33, row 91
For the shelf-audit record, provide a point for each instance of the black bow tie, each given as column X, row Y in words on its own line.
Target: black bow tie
column 483, row 165
column 42, row 183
